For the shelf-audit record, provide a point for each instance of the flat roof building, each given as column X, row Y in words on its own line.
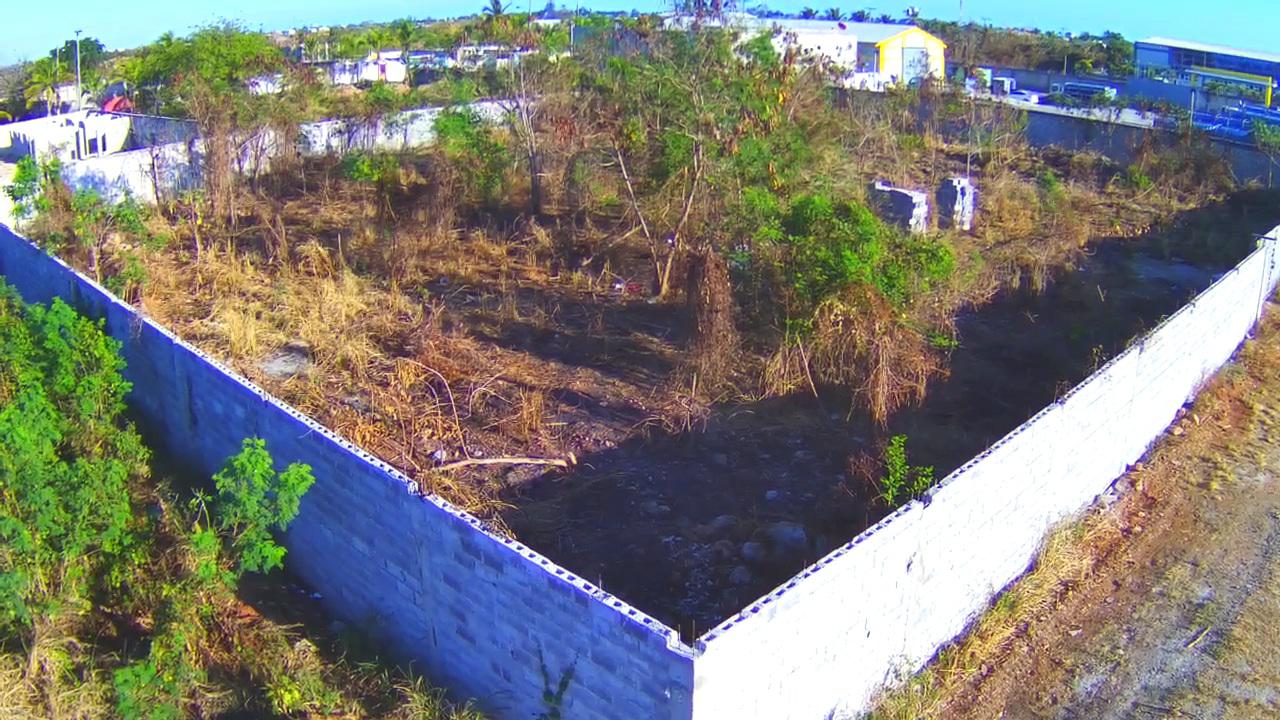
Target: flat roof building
column 1250, row 74
column 900, row 53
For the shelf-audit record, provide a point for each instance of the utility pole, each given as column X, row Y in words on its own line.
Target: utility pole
column 1065, row 54
column 79, row 92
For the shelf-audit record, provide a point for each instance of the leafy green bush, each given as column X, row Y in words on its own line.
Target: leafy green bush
column 1137, row 178
column 26, row 189
column 837, row 244
column 68, row 530
column 467, row 140
column 251, row 500
column 1052, row 192
column 902, row 481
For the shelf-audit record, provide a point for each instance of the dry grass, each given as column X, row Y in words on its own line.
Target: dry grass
column 860, row 342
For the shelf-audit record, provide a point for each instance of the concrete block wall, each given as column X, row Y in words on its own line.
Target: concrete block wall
column 401, row 131
column 148, row 174
column 480, row 614
column 167, row 155
column 822, row 644
column 492, row 619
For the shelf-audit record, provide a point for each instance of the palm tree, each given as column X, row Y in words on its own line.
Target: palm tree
column 808, row 13
column 833, row 14
column 495, row 8
column 860, row 16
column 43, row 79
column 407, row 33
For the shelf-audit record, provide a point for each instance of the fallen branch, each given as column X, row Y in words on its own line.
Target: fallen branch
column 557, row 462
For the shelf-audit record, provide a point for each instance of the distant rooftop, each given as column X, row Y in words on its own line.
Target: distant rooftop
column 1210, row 48
column 866, row 32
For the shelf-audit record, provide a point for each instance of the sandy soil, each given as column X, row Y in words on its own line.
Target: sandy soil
column 1179, row 618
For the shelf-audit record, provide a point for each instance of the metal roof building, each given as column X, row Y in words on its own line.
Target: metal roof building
column 1252, row 73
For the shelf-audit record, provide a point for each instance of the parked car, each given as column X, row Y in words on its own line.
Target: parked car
column 1026, row 96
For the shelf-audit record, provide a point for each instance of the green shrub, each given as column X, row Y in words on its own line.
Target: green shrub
column 1136, row 178
column 1052, row 192
column 467, row 140
column 251, row 500
column 834, row 245
column 902, row 481
column 68, row 530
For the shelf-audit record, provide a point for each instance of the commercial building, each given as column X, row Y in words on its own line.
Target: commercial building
column 1247, row 74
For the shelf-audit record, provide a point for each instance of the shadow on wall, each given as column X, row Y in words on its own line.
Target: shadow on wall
column 691, row 525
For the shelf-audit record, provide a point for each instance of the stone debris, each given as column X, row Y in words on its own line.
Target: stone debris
column 957, row 204
column 788, row 537
column 905, row 208
column 292, row 360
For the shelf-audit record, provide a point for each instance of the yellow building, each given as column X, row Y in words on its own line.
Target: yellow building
column 901, row 52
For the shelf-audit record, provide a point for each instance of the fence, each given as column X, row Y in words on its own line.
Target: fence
column 495, row 620
column 822, row 644
column 484, row 615
column 169, row 161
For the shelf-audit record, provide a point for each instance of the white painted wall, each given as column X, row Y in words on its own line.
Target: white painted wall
column 170, row 169
column 83, row 134
column 402, row 131
column 824, row 643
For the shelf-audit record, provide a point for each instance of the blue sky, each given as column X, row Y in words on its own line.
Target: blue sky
column 36, row 27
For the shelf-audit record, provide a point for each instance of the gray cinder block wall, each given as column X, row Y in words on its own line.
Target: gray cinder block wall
column 480, row 614
column 492, row 619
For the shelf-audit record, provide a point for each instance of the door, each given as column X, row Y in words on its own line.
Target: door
column 915, row 63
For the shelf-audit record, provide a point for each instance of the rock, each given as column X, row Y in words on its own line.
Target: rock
column 724, row 550
column 289, row 362
column 359, row 403
column 720, row 459
column 788, row 536
column 741, row 576
column 654, row 508
column 754, row 552
column 1177, row 430
column 722, row 525
column 772, row 495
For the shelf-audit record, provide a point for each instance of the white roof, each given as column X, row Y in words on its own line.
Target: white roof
column 865, row 32
column 1210, row 48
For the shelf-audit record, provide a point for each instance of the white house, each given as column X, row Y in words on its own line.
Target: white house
column 384, row 66
column 876, row 54
column 70, row 136
column 811, row 39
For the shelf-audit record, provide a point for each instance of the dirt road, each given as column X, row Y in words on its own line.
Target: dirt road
column 1165, row 604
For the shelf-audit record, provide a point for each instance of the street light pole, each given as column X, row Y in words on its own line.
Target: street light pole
column 79, row 92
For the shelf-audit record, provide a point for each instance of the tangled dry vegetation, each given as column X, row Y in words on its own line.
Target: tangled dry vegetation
column 517, row 290
column 425, row 368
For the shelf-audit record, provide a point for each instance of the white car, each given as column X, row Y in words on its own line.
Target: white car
column 1026, row 96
